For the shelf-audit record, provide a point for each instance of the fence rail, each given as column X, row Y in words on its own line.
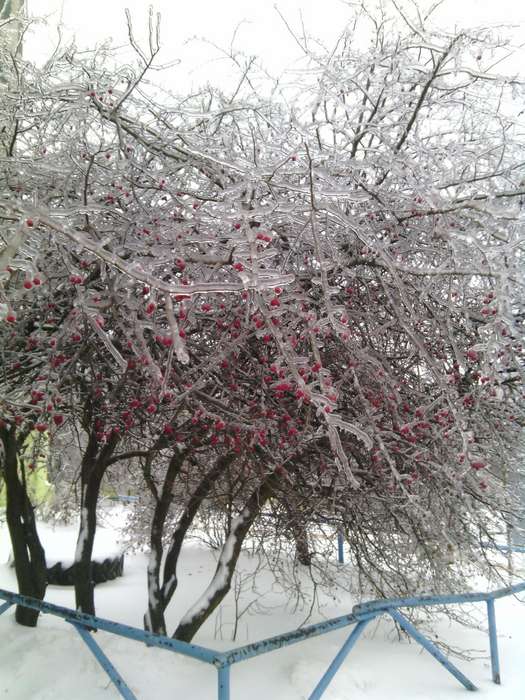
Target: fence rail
column 360, row 616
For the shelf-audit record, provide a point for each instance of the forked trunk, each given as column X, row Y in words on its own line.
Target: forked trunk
column 221, row 582
column 28, row 553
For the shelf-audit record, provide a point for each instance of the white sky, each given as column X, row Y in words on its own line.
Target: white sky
column 260, row 30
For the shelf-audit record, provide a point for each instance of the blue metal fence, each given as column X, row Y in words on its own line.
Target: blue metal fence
column 360, row 616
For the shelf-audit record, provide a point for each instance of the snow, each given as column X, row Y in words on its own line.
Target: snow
column 152, row 567
column 52, row 662
column 60, row 544
column 82, row 537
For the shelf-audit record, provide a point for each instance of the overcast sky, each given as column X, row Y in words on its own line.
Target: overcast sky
column 259, row 28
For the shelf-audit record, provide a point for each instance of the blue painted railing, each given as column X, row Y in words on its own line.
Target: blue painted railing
column 124, row 499
column 505, row 548
column 361, row 615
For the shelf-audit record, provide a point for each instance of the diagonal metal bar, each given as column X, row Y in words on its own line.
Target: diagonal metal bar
column 5, row 607
column 493, row 637
column 338, row 660
column 431, row 648
column 114, row 675
column 223, row 674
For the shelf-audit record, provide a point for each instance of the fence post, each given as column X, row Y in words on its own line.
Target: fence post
column 493, row 637
column 336, row 663
column 103, row 660
column 340, row 547
column 430, row 647
column 5, row 607
column 224, row 683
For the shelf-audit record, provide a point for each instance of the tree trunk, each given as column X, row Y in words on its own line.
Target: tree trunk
column 159, row 597
column 221, row 582
column 201, row 492
column 154, row 618
column 302, row 547
column 94, row 464
column 84, row 585
column 28, row 553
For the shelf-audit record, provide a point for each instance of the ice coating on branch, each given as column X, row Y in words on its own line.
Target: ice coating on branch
column 178, row 344
column 12, row 247
column 335, row 420
column 335, row 442
column 96, row 325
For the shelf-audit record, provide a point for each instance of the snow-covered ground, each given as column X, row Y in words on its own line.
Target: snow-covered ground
column 52, row 663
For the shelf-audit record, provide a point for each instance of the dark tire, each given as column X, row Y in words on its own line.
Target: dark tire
column 101, row 571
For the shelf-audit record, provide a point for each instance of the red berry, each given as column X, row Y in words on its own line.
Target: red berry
column 28, row 284
column 58, row 419
column 37, row 281
column 41, row 427
column 151, row 408
column 275, row 302
column 10, row 318
column 238, row 266
column 150, row 308
column 29, row 222
column 283, row 386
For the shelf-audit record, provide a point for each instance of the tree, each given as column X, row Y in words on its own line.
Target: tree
column 315, row 293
